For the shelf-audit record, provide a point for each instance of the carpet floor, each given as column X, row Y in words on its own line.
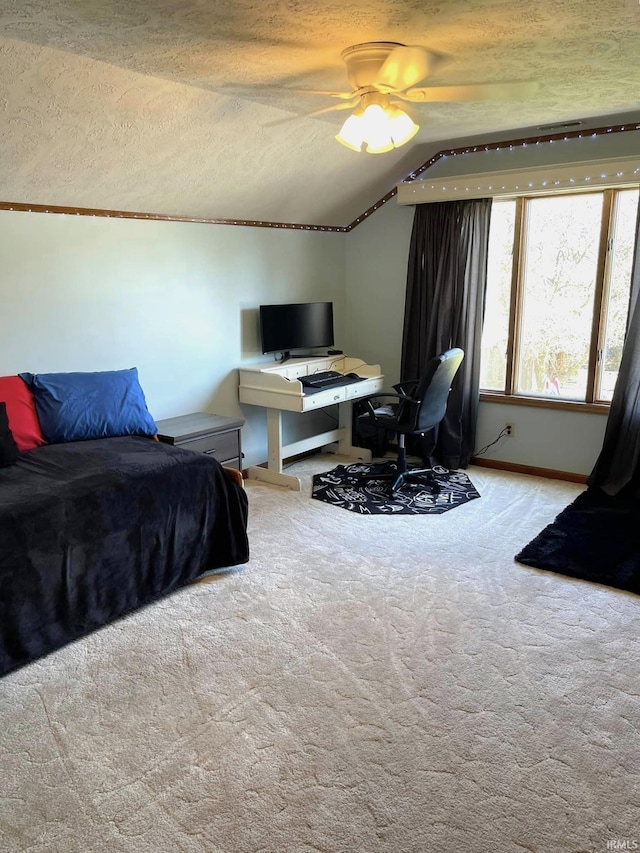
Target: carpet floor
column 365, row 684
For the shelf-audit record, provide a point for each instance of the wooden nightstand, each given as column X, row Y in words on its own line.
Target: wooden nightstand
column 214, row 435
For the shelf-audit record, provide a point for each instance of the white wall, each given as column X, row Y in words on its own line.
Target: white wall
column 179, row 301
column 176, row 300
column 542, row 438
column 376, row 263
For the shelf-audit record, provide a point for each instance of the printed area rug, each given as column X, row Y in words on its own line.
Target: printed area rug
column 347, row 488
column 596, row 538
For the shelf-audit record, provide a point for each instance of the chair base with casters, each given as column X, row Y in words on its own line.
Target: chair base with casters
column 422, row 477
column 401, row 475
column 420, row 406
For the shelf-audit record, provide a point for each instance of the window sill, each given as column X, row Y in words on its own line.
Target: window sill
column 544, row 403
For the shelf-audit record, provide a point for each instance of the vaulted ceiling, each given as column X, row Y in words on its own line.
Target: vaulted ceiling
column 176, row 106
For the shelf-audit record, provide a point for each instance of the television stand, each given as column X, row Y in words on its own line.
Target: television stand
column 279, row 390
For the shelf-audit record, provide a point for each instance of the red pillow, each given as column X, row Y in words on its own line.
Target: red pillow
column 21, row 412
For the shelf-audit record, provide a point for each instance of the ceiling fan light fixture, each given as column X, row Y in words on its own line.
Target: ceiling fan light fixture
column 352, row 132
column 379, row 126
column 375, row 122
column 379, row 144
column 401, row 126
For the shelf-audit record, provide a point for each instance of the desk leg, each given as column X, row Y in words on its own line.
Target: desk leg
column 274, row 439
column 345, row 447
column 273, row 472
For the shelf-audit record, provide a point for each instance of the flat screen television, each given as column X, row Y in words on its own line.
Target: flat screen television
column 296, row 326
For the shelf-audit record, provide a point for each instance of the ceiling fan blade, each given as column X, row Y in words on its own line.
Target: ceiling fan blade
column 346, row 106
column 345, row 96
column 240, row 91
column 507, row 91
column 407, row 65
column 332, row 108
column 413, row 114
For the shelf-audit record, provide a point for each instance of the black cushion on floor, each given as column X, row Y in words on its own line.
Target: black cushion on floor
column 596, row 538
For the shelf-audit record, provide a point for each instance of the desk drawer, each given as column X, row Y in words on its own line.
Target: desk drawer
column 320, row 399
column 363, row 389
column 221, row 445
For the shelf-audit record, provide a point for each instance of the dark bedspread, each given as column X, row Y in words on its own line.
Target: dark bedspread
column 91, row 530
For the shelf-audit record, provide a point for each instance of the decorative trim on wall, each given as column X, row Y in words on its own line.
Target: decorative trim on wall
column 532, row 180
column 338, row 229
column 372, row 209
column 529, row 181
column 127, row 214
column 528, row 140
column 496, row 146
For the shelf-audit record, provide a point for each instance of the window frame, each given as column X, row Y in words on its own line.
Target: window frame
column 510, row 394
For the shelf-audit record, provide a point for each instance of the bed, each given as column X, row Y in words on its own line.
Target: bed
column 90, row 530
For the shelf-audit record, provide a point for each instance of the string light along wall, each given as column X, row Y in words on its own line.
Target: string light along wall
column 159, row 217
column 501, row 180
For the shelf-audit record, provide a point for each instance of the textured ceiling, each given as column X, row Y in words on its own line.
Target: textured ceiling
column 167, row 106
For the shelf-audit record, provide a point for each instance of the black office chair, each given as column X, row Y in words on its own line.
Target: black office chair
column 421, row 405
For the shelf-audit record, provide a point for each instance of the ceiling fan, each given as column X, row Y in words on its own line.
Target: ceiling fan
column 384, row 73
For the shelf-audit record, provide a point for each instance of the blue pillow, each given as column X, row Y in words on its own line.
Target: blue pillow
column 80, row 406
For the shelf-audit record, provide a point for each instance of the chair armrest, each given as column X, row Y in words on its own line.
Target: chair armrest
column 403, row 397
column 369, row 400
column 385, row 394
column 404, row 387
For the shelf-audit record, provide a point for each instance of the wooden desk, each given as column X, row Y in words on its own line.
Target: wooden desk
column 277, row 389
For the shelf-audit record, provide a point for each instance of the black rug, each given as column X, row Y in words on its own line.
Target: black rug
column 596, row 538
column 345, row 487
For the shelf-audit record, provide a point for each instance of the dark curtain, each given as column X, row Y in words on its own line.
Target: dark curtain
column 444, row 308
column 618, row 466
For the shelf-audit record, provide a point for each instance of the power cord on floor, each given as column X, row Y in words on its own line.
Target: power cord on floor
column 504, row 431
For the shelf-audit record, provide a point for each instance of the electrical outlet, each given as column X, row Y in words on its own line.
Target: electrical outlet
column 508, row 429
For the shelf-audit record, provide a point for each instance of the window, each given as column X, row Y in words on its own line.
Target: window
column 557, row 299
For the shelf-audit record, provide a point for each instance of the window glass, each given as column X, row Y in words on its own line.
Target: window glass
column 617, row 302
column 560, row 265
column 495, row 329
